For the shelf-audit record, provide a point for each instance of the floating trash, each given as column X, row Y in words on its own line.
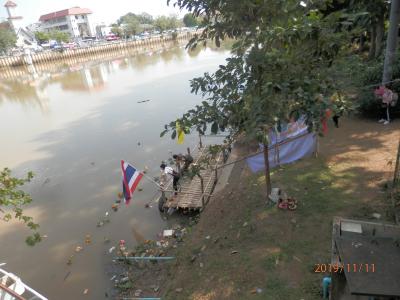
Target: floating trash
column 69, row 261
column 88, row 239
column 168, row 233
column 78, row 249
column 111, row 249
column 114, row 207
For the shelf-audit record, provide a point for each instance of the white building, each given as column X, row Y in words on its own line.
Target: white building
column 35, row 27
column 102, row 30
column 76, row 21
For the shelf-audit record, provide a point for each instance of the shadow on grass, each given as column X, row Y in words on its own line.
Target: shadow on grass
column 277, row 249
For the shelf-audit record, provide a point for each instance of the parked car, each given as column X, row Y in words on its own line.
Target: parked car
column 70, row 45
column 112, row 37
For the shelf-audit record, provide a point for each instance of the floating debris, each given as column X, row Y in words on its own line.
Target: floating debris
column 168, row 233
column 143, row 101
column 114, row 207
column 78, row 249
column 67, row 275
column 88, row 239
column 86, row 291
column 111, row 249
column 69, row 261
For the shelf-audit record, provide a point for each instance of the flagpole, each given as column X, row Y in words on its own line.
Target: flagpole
column 148, row 177
column 151, row 179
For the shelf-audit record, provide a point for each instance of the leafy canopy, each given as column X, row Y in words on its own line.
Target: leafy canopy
column 191, row 21
column 163, row 23
column 143, row 18
column 12, row 201
column 57, row 35
column 279, row 67
column 7, row 39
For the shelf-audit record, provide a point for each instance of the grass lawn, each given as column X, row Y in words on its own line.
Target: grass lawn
column 240, row 244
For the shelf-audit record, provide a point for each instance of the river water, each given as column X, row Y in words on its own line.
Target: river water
column 71, row 128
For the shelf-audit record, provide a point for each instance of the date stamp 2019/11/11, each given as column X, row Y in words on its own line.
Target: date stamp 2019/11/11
column 340, row 267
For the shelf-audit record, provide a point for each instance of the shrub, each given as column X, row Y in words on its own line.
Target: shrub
column 371, row 74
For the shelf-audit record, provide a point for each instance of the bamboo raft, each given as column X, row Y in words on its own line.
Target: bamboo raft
column 193, row 195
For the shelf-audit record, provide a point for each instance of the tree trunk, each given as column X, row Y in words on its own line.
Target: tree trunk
column 391, row 44
column 396, row 169
column 267, row 173
column 362, row 42
column 371, row 53
column 380, row 31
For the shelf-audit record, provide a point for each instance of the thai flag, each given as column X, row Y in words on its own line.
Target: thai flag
column 130, row 180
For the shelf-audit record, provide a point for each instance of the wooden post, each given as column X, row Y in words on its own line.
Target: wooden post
column 267, row 173
column 396, row 169
column 202, row 190
column 188, row 150
column 200, row 143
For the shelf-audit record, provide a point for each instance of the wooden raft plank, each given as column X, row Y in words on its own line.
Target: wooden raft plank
column 194, row 186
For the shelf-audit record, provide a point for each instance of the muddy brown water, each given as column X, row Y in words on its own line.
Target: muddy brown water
column 72, row 128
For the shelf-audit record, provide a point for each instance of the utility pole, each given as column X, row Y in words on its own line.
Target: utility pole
column 391, row 44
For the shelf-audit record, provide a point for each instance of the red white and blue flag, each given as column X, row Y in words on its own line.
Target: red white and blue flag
column 130, row 180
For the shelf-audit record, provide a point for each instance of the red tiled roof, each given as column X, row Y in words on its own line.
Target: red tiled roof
column 65, row 12
column 10, row 4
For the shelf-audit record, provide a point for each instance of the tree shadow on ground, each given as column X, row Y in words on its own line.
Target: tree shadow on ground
column 277, row 250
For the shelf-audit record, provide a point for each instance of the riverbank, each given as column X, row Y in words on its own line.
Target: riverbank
column 72, row 128
column 93, row 52
column 243, row 249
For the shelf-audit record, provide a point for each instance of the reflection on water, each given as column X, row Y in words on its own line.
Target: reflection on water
column 32, row 85
column 71, row 123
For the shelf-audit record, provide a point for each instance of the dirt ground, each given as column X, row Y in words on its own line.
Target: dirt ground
column 242, row 248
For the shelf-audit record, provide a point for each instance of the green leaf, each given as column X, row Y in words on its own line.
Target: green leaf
column 173, row 135
column 163, row 133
